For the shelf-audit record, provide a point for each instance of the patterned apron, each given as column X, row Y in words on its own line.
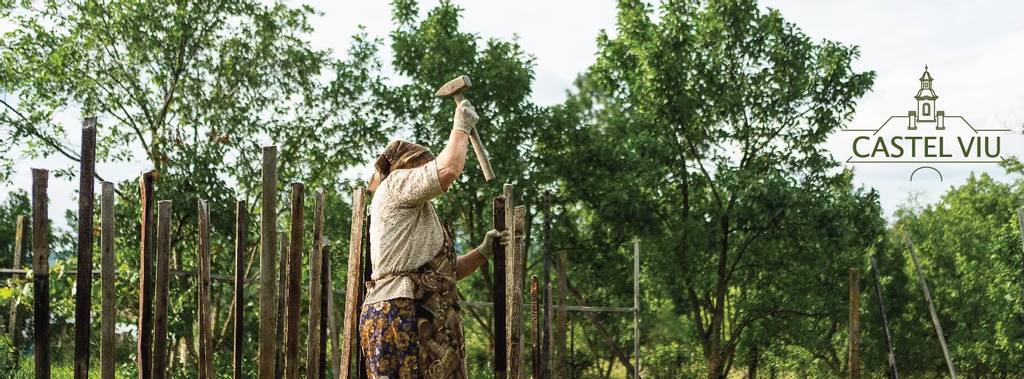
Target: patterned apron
column 438, row 320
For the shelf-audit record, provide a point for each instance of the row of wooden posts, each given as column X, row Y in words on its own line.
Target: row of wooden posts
column 280, row 257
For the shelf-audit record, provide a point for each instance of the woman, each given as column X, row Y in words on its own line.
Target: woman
column 410, row 324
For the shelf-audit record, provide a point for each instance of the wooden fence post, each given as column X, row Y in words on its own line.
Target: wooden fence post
column 313, row 361
column 535, row 355
column 636, row 307
column 891, row 354
column 12, row 327
column 41, row 272
column 514, row 291
column 241, row 228
column 332, row 320
column 546, row 330
column 854, row 337
column 325, row 294
column 294, row 300
column 367, row 272
column 499, row 207
column 931, row 306
column 109, row 302
column 269, row 346
column 147, row 248
column 282, row 288
column 83, row 283
column 350, row 331
column 163, row 255
column 205, row 312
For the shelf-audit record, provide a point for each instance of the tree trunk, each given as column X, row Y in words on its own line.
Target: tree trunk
column 752, row 363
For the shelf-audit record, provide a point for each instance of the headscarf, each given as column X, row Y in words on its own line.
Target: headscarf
column 401, row 154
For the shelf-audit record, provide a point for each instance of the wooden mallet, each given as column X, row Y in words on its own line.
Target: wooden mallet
column 454, row 88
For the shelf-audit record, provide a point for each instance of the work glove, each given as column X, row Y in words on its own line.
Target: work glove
column 465, row 116
column 487, row 247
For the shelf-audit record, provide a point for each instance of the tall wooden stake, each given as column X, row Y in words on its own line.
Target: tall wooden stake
column 636, row 307
column 498, row 294
column 282, row 279
column 205, row 311
column 107, row 276
column 546, row 329
column 294, row 300
column 41, row 272
column 891, row 354
column 313, row 358
column 367, row 273
column 332, row 320
column 350, row 332
column 931, row 306
column 241, row 227
column 535, row 356
column 13, row 327
column 160, row 292
column 325, row 295
column 83, row 283
column 147, row 249
column 854, row 351
column 514, row 291
column 269, row 345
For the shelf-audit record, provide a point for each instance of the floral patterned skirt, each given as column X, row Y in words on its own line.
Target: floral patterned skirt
column 389, row 337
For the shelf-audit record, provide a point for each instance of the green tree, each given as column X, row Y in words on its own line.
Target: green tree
column 710, row 119
column 191, row 89
column 969, row 246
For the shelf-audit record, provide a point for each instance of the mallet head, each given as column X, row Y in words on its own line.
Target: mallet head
column 454, row 87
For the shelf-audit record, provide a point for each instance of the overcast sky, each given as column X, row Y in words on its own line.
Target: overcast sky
column 973, row 49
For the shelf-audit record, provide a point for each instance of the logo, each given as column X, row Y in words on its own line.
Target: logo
column 926, row 137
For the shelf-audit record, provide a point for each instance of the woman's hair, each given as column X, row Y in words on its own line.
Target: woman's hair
column 400, row 155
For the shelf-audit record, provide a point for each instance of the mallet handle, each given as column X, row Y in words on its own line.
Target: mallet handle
column 478, row 147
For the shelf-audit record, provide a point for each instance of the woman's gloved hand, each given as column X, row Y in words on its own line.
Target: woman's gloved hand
column 465, row 116
column 486, row 248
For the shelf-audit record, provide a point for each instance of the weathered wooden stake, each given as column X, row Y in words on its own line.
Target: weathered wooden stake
column 332, row 320
column 12, row 327
column 350, row 331
column 147, row 249
column 367, row 268
column 854, row 337
column 325, row 294
column 546, row 329
column 294, row 300
column 282, row 290
column 83, row 283
column 636, row 307
column 313, row 360
column 160, row 292
column 205, row 311
column 269, row 346
column 108, row 304
column 535, row 355
column 891, row 354
column 41, row 272
column 931, row 306
column 514, row 291
column 241, row 227
column 499, row 208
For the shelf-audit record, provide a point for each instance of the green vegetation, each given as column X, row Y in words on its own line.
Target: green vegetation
column 698, row 129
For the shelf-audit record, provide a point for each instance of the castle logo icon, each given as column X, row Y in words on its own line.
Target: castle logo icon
column 926, row 135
